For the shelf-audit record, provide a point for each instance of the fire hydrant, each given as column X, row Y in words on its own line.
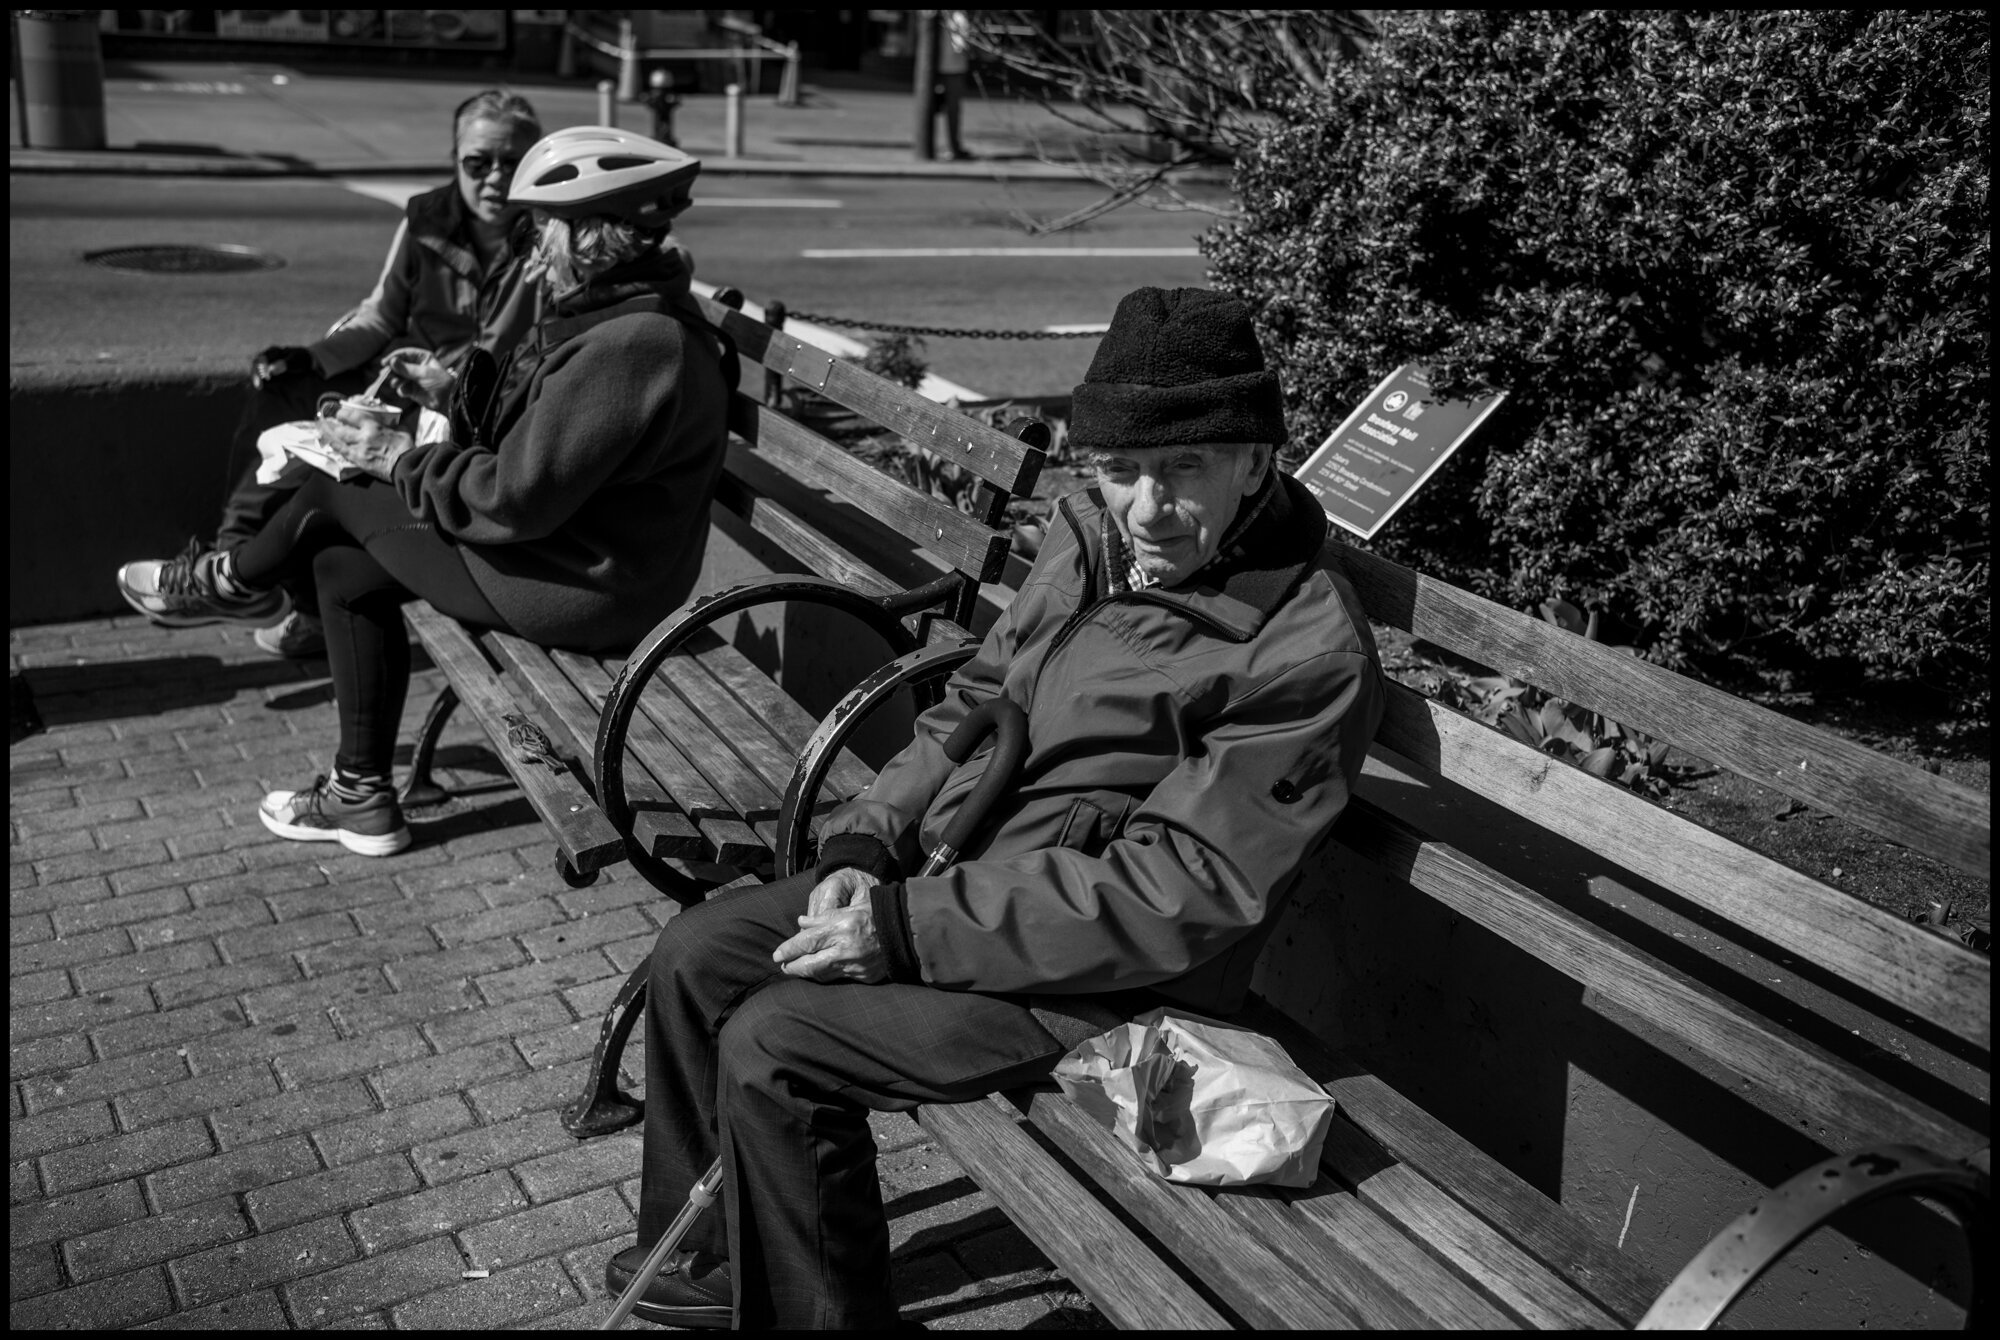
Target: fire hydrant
column 660, row 97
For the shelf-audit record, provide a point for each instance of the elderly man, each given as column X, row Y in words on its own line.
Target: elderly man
column 1200, row 688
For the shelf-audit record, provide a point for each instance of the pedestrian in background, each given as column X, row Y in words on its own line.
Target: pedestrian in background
column 954, row 59
column 452, row 282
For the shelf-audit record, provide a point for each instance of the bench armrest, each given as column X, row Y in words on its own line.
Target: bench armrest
column 1756, row 1239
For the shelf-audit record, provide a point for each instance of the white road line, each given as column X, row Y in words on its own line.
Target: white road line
column 772, row 202
column 947, row 253
column 395, row 193
column 1080, row 328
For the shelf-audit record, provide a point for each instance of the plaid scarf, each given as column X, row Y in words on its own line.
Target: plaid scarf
column 1123, row 575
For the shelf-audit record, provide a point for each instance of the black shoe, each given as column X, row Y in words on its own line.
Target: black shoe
column 693, row 1289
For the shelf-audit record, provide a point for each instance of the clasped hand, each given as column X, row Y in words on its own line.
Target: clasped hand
column 836, row 940
column 361, row 441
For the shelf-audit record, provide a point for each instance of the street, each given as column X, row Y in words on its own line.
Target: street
column 751, row 232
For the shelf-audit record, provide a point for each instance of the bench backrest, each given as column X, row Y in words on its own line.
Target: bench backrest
column 1905, row 967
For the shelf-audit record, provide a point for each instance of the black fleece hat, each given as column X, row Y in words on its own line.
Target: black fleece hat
column 1177, row 366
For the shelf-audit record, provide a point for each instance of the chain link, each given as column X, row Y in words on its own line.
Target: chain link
column 940, row 332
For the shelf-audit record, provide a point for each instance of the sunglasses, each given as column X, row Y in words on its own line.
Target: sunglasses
column 480, row 166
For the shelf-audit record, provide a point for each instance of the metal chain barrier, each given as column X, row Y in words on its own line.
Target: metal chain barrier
column 941, row 332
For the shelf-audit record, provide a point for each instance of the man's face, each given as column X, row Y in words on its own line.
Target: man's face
column 488, row 153
column 1173, row 504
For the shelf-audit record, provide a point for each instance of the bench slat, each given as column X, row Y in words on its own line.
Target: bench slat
column 587, row 839
column 744, row 794
column 1405, row 1267
column 1933, row 977
column 1907, row 805
column 1521, row 1214
column 1123, row 1277
column 1855, row 1109
column 725, row 715
column 1245, row 1272
column 958, row 539
column 785, row 719
column 668, row 832
column 1467, row 1244
column 731, row 840
column 741, row 493
column 1005, row 461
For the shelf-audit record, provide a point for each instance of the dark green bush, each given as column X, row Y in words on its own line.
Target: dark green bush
column 1733, row 268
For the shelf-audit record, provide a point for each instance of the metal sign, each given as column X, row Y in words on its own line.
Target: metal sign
column 1395, row 440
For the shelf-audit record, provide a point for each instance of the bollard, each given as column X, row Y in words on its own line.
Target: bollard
column 788, row 87
column 607, row 106
column 732, row 121
column 62, row 79
column 628, row 62
column 566, row 53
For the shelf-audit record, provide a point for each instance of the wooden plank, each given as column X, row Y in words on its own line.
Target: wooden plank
column 1127, row 1282
column 1933, row 977
column 1853, row 1108
column 667, row 832
column 741, row 491
column 1007, row 462
column 1243, row 1270
column 1907, row 805
column 960, row 540
column 745, row 795
column 726, row 716
column 732, row 841
column 788, row 722
column 1539, row 1226
column 587, row 839
column 1458, row 1238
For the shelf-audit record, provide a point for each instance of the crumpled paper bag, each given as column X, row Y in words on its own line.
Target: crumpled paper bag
column 283, row 450
column 1200, row 1101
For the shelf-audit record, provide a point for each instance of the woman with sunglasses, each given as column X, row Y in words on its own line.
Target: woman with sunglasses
column 452, row 283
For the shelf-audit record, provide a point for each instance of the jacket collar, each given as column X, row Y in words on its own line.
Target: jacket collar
column 1276, row 537
column 440, row 223
column 666, row 274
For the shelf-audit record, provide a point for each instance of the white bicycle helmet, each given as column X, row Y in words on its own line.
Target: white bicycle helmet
column 583, row 170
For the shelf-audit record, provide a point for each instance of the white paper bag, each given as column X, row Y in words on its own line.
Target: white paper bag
column 278, row 447
column 1200, row 1101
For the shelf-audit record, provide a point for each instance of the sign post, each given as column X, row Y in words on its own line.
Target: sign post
column 1393, row 441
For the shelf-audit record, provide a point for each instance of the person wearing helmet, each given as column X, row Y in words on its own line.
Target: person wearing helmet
column 453, row 281
column 568, row 503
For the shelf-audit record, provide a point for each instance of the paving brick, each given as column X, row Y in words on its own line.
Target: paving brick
column 266, row 884
column 592, row 1000
column 387, row 918
column 319, row 897
column 458, row 1030
column 168, row 828
column 152, row 1031
column 78, row 1013
column 22, row 1183
column 625, row 955
column 379, row 1281
column 543, row 979
column 43, row 802
column 199, row 924
column 444, row 1209
column 325, row 959
column 931, row 1287
column 603, row 897
column 536, row 1091
column 32, row 928
column 285, row 1113
column 491, row 922
column 117, row 861
column 592, row 1216
column 76, row 816
column 196, row 1096
column 169, row 960
column 353, row 1056
column 237, row 800
column 361, row 1016
column 76, row 1214
column 601, row 1162
column 268, row 1259
column 572, row 937
column 124, row 1300
column 155, row 764
column 65, row 953
column 153, row 723
column 260, row 1311
column 397, row 1128
column 1003, row 1258
column 566, row 1042
column 326, row 1194
column 86, row 917
column 32, row 1270
column 191, row 1228
column 930, row 1200
column 53, row 846
column 179, row 871
column 445, row 875
column 895, row 1131
column 285, row 936
column 451, row 1072
column 262, row 1042
column 455, row 965
column 113, row 1158
column 28, row 896
column 237, row 841
column 63, row 1051
column 224, row 979
column 30, row 1137
column 507, row 1299
column 258, row 1165
column 39, row 988
column 314, row 995
column 39, row 774
column 136, row 1074
column 489, row 1148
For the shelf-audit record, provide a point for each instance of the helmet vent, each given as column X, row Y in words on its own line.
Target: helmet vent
column 555, row 175
column 613, row 162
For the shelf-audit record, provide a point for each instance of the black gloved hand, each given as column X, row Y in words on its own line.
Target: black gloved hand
column 281, row 361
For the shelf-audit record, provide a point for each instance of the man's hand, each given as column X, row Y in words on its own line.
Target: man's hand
column 281, row 361
column 837, row 944
column 362, row 442
column 421, row 377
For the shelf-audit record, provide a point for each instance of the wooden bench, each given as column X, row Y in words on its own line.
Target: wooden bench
column 1412, row 1223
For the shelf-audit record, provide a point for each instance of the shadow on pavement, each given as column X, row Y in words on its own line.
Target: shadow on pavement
column 98, row 690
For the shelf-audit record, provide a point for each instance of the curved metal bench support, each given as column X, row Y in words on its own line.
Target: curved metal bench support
column 828, row 738
column 418, row 789
column 1757, row 1239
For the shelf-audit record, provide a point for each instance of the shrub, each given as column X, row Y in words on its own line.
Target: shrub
column 1733, row 268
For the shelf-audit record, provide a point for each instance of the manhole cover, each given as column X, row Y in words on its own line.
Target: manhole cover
column 211, row 260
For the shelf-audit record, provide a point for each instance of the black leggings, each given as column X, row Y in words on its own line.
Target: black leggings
column 369, row 557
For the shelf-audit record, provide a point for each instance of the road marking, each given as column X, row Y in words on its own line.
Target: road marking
column 946, row 253
column 395, row 193
column 1080, row 328
column 774, row 202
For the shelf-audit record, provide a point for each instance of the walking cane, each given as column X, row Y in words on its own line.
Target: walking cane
column 997, row 716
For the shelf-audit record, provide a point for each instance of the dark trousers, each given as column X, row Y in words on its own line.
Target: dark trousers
column 777, row 1076
column 368, row 556
column 247, row 505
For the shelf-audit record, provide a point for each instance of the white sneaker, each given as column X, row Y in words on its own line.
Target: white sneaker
column 296, row 637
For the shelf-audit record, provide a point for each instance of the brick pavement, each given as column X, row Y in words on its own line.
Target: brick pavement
column 264, row 1084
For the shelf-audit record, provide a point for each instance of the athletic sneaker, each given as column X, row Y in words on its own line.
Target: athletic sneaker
column 371, row 826
column 693, row 1289
column 296, row 637
column 181, row 592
